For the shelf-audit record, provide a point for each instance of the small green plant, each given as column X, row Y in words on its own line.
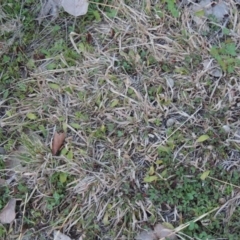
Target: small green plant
column 172, row 8
column 226, row 56
column 3, row 232
column 54, row 201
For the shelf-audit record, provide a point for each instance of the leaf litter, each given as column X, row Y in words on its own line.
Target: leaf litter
column 60, row 236
column 58, row 140
column 160, row 232
column 52, row 7
column 75, row 7
column 8, row 214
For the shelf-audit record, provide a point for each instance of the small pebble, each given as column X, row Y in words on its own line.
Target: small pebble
column 170, row 82
column 170, row 122
column 222, row 201
column 226, row 128
column 2, row 151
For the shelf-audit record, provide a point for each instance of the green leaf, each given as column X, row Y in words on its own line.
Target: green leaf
column 120, row 133
column 205, row 175
column 56, row 28
column 149, row 179
column 64, row 126
column 191, row 226
column 81, row 47
column 164, row 173
column 9, row 113
column 105, row 219
column 97, row 16
column 31, row 116
column 5, row 94
column 51, row 66
column 159, row 162
column 68, row 89
column 202, row 138
column 6, row 59
column 200, row 13
column 63, row 177
column 163, row 149
column 112, row 13
column 64, row 151
column 168, row 225
column 172, row 8
column 231, row 49
column 54, row 86
column 70, row 155
column 75, row 125
column 226, row 31
column 114, row 103
column 43, row 130
column 151, row 170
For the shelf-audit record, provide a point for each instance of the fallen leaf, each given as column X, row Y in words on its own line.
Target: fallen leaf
column 75, row 125
column 31, row 116
column 213, row 70
column 8, row 213
column 162, row 232
column 151, row 170
column 220, row 10
column 170, row 82
column 75, row 7
column 205, row 7
column 70, row 155
column 51, row 8
column 54, row 86
column 149, row 179
column 205, row 175
column 60, row 236
column 216, row 72
column 146, row 235
column 202, row 138
column 106, row 219
column 63, row 177
column 58, row 140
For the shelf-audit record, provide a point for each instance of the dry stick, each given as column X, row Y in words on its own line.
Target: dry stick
column 27, row 199
column 180, row 126
column 183, row 226
column 25, row 203
column 233, row 185
column 69, row 215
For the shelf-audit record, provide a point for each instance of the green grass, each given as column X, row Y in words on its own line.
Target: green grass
column 123, row 167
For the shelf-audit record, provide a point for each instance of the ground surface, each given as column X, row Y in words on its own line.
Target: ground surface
column 148, row 96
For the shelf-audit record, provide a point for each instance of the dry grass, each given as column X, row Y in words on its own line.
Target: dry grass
column 137, row 84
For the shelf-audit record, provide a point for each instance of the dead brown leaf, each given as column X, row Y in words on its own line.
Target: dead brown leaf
column 8, row 213
column 58, row 140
